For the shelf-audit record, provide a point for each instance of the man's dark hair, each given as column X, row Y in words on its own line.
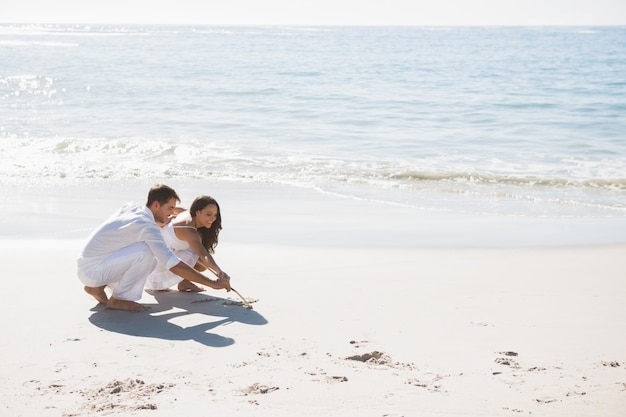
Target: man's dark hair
column 161, row 193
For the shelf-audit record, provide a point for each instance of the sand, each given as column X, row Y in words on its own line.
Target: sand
column 348, row 328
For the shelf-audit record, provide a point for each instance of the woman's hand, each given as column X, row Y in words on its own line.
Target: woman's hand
column 224, row 279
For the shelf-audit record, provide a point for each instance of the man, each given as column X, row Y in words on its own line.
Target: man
column 126, row 248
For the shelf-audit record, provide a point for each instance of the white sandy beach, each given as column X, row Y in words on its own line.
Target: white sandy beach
column 343, row 324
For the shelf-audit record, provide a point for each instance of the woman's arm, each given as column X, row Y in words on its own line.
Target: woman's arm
column 192, row 237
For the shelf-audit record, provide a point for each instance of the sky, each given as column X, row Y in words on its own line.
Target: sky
column 318, row 12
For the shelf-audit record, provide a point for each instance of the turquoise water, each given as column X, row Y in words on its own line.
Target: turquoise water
column 509, row 121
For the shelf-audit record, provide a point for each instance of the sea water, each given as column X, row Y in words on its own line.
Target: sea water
column 513, row 121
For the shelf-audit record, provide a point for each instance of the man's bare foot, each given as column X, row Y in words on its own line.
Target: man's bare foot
column 186, row 285
column 116, row 304
column 97, row 293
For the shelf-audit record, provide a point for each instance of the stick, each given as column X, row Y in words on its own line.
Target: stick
column 245, row 302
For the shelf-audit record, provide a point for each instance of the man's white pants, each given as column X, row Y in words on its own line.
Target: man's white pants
column 124, row 271
column 162, row 278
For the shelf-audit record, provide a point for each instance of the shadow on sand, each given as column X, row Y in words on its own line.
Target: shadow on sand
column 158, row 320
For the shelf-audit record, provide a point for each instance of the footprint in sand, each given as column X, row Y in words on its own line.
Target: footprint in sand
column 507, row 361
column 257, row 388
column 130, row 394
column 379, row 358
column 357, row 343
column 373, row 357
column 431, row 385
column 545, row 400
column 333, row 379
column 515, row 410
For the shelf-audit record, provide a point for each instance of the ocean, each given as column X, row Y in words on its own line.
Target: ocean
column 512, row 121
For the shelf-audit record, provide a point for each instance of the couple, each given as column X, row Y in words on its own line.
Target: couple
column 129, row 250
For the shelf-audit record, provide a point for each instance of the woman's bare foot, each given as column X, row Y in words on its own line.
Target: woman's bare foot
column 97, row 293
column 116, row 304
column 185, row 285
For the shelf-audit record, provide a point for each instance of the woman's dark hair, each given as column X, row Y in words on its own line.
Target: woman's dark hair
column 209, row 236
column 161, row 193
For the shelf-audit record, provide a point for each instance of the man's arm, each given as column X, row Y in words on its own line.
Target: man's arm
column 186, row 272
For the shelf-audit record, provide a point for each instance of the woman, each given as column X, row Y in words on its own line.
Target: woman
column 192, row 236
